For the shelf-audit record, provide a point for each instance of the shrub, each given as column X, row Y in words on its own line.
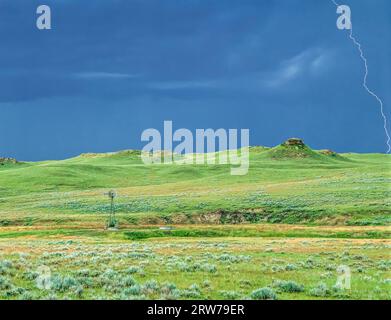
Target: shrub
column 83, row 272
column 183, row 266
column 330, row 267
column 321, row 290
column 360, row 269
column 133, row 269
column 5, row 267
column 187, row 293
column 384, row 265
column 211, row 268
column 62, row 284
column 128, row 281
column 288, row 286
column 151, row 286
column 134, row 290
column 6, row 264
column 5, row 284
column 129, row 297
column 79, row 291
column 195, row 287
column 169, row 291
column 244, row 283
column 13, row 291
column 290, row 267
column 264, row 294
column 110, row 274
column 309, row 263
column 277, row 269
column 168, row 287
column 225, row 257
column 86, row 281
column 26, row 296
column 30, row 275
column 230, row 295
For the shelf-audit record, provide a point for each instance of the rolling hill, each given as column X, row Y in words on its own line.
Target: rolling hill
column 290, row 183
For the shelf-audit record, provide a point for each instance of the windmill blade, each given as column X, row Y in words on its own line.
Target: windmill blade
column 111, row 194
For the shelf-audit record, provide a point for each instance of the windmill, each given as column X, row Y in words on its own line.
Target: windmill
column 112, row 222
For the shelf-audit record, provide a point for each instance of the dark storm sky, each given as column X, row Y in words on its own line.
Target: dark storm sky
column 110, row 69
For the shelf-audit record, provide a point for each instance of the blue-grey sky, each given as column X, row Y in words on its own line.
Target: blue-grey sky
column 110, row 69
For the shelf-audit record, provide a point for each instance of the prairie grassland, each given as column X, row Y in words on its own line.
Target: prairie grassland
column 278, row 233
column 97, row 267
column 352, row 191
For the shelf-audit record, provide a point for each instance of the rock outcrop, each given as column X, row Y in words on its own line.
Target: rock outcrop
column 294, row 142
column 4, row 161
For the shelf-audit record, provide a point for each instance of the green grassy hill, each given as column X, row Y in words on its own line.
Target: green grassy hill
column 290, row 183
column 289, row 223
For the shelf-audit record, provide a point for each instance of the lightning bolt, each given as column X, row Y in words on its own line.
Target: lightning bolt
column 364, row 84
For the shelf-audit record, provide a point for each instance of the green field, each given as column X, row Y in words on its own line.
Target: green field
column 279, row 232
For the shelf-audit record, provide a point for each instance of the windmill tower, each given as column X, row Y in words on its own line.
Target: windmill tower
column 112, row 223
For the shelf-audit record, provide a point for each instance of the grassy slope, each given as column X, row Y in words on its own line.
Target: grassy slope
column 52, row 214
column 229, row 268
column 284, row 185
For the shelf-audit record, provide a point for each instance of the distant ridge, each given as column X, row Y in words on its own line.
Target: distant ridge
column 295, row 148
column 123, row 153
column 332, row 154
column 4, row 161
column 291, row 149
